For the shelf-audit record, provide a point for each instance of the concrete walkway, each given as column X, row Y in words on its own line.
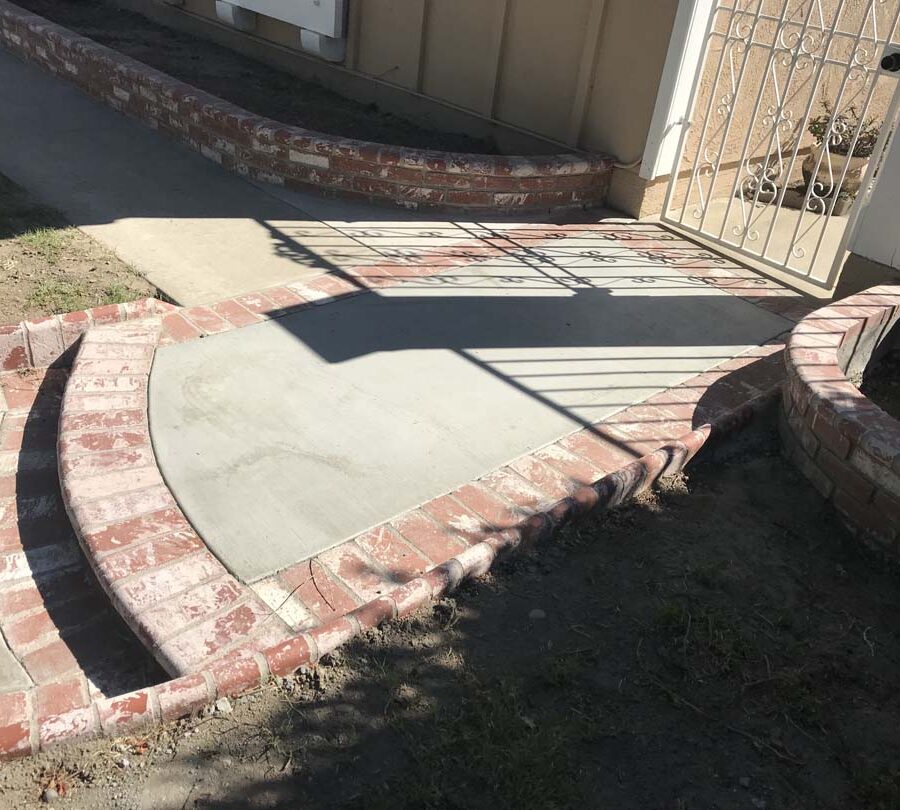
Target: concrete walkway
column 286, row 438
column 200, row 234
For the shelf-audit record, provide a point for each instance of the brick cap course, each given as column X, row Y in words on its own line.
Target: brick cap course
column 847, row 446
column 272, row 152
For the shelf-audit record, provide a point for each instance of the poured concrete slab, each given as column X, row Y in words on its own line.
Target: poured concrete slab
column 285, row 438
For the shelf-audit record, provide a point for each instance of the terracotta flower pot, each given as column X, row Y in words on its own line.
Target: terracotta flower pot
column 856, row 168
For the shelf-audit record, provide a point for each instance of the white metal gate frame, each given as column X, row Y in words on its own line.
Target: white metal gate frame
column 778, row 117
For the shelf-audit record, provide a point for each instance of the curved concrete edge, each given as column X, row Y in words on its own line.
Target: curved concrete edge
column 846, row 445
column 172, row 592
column 245, row 669
column 272, row 152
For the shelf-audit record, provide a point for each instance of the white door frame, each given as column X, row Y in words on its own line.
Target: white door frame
column 684, row 60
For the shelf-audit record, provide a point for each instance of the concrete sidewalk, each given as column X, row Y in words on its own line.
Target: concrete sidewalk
column 196, row 231
column 286, row 438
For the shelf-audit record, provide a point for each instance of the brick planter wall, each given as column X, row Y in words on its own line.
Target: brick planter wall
column 845, row 444
column 273, row 152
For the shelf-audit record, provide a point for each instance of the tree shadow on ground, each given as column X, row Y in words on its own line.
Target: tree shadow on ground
column 720, row 642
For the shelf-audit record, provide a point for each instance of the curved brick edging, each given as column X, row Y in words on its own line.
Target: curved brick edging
column 245, row 670
column 607, row 465
column 843, row 442
column 273, row 152
column 172, row 592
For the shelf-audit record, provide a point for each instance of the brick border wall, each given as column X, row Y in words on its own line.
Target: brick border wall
column 290, row 156
column 842, row 442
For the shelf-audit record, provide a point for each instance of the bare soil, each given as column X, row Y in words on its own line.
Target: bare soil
column 244, row 81
column 719, row 644
column 47, row 266
column 881, row 383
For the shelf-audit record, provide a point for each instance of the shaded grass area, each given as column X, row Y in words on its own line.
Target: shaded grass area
column 48, row 267
column 720, row 643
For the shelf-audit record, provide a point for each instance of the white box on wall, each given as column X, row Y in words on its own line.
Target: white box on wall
column 323, row 16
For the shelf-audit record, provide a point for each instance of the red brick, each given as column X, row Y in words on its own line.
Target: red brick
column 105, row 462
column 106, row 314
column 375, row 612
column 179, row 329
column 457, row 518
column 173, row 546
column 331, row 635
column 136, row 530
column 844, row 477
column 61, row 697
column 75, row 724
column 600, row 451
column 235, row 314
column 15, row 725
column 125, row 712
column 51, row 662
column 546, row 478
column 434, row 541
column 287, row 657
column 13, row 353
column 45, row 341
column 114, row 509
column 315, row 587
column 572, row 466
column 156, row 585
column 284, row 298
column 101, row 420
column 494, row 510
column 235, row 674
column 256, row 303
column 199, row 602
column 182, row 696
column 121, row 439
column 357, row 570
column 389, row 550
column 207, row 320
column 412, row 596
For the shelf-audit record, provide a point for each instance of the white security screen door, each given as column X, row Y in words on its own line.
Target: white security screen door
column 790, row 115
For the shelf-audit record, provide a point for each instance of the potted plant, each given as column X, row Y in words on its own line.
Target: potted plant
column 838, row 131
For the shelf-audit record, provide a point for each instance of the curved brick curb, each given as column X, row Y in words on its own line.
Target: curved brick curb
column 245, row 669
column 843, row 443
column 175, row 595
column 594, row 468
column 272, row 152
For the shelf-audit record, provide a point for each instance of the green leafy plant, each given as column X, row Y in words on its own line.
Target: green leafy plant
column 840, row 129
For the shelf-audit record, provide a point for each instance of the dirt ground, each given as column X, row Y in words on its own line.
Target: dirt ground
column 881, row 383
column 244, row 81
column 720, row 644
column 47, row 266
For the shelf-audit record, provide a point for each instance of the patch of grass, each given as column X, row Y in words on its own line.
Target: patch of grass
column 49, row 243
column 61, row 294
column 706, row 641
column 487, row 751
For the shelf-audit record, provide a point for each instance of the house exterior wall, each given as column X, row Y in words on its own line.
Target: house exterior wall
column 555, row 70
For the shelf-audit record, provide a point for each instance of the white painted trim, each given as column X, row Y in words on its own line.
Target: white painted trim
column 683, row 63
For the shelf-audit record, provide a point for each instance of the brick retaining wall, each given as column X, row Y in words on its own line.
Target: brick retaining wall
column 843, row 442
column 290, row 156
